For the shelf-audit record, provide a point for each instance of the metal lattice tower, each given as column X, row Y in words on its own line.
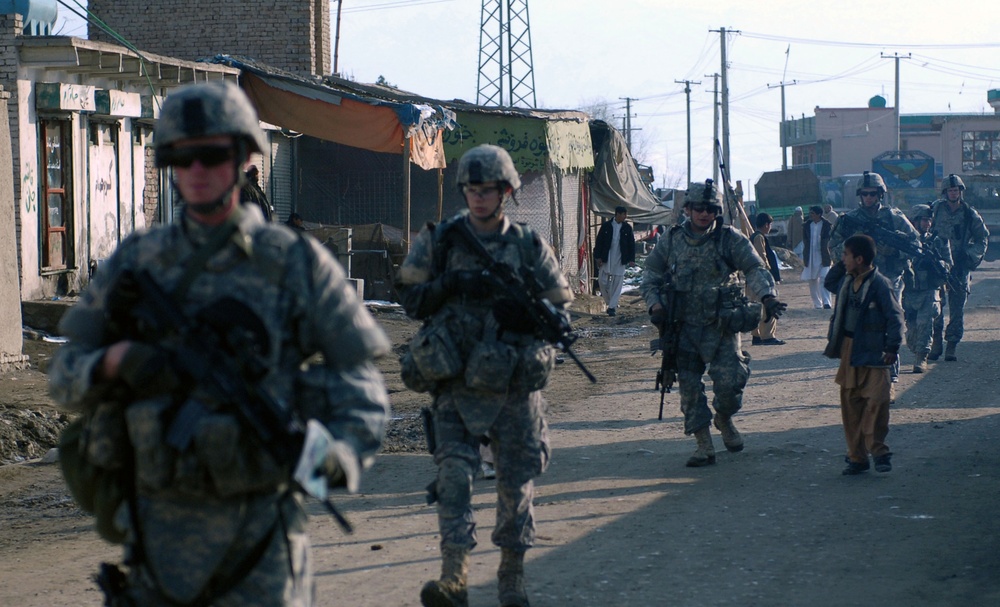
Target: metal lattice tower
column 506, row 77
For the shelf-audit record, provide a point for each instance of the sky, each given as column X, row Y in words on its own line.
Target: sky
column 587, row 53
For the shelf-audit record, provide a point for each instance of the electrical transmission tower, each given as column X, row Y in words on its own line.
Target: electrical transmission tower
column 506, row 77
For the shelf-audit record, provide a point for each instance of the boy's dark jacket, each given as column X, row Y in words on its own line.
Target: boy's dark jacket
column 880, row 322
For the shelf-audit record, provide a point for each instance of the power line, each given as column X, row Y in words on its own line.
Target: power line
column 868, row 44
column 389, row 5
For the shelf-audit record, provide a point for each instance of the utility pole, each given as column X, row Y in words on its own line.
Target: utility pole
column 687, row 92
column 897, row 57
column 336, row 43
column 627, row 122
column 784, row 142
column 725, row 95
column 715, row 120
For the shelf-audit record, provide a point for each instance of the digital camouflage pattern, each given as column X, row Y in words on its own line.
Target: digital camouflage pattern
column 485, row 163
column 890, row 262
column 201, row 510
column 922, row 294
column 512, row 418
column 967, row 234
column 701, row 267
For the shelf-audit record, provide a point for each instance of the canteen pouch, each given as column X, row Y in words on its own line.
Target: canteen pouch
column 412, row 378
column 736, row 313
column 535, row 364
column 491, row 367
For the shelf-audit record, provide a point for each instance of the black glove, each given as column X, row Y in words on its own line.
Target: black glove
column 658, row 317
column 773, row 307
column 513, row 316
column 472, row 283
column 147, row 371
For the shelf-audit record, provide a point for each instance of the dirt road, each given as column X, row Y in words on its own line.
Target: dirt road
column 621, row 521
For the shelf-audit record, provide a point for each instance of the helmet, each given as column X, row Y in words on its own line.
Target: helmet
column 204, row 110
column 920, row 211
column 952, row 181
column 485, row 163
column 704, row 193
column 871, row 180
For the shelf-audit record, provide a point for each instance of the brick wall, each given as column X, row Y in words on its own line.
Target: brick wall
column 10, row 28
column 293, row 35
column 151, row 192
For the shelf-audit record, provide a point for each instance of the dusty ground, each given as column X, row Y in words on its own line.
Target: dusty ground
column 621, row 521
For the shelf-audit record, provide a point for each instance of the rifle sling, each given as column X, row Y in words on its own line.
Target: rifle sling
column 196, row 263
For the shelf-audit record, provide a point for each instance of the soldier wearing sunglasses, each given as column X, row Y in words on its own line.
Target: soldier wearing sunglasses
column 210, row 511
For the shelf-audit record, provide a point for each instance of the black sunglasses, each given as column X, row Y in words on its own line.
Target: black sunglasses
column 207, row 155
column 703, row 208
column 871, row 193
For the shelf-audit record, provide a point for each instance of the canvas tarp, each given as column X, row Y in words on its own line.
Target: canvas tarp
column 322, row 112
column 615, row 181
column 530, row 141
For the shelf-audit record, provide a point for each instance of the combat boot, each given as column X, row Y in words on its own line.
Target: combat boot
column 949, row 351
column 730, row 435
column 704, row 455
column 920, row 364
column 510, row 579
column 452, row 589
column 936, row 348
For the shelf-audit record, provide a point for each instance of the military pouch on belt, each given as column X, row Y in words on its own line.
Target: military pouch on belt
column 491, row 366
column 736, row 313
column 412, row 378
column 434, row 353
column 535, row 363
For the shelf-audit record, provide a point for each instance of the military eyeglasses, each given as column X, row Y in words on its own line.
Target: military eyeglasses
column 208, row 155
column 480, row 191
column 869, row 193
column 703, row 208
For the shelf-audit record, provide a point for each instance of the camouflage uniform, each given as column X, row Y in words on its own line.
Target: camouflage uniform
column 967, row 234
column 922, row 296
column 203, row 513
column 513, row 416
column 890, row 262
column 701, row 266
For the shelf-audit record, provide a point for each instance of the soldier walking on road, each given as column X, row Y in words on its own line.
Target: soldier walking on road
column 478, row 354
column 924, row 280
column 209, row 512
column 865, row 333
column 697, row 264
column 962, row 225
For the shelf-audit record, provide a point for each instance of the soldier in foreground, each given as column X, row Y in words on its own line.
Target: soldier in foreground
column 479, row 356
column 693, row 272
column 201, row 413
column 966, row 232
column 924, row 280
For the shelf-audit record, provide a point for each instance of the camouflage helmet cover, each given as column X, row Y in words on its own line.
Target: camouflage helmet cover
column 952, row 181
column 921, row 211
column 870, row 180
column 704, row 192
column 485, row 163
column 207, row 109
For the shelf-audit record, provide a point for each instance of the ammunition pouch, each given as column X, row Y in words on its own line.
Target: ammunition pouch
column 434, row 353
column 412, row 378
column 491, row 366
column 534, row 365
column 736, row 313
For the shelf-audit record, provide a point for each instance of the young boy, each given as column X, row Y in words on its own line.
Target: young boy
column 865, row 333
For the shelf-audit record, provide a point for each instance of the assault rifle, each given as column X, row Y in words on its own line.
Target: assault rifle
column 890, row 238
column 228, row 372
column 550, row 323
column 669, row 341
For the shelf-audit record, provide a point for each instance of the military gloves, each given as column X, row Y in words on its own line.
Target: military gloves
column 147, row 371
column 772, row 307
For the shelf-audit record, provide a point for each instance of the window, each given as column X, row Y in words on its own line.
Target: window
column 56, row 216
column 980, row 151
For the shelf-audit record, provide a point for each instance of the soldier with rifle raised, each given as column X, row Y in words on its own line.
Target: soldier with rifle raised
column 194, row 355
column 691, row 287
column 492, row 298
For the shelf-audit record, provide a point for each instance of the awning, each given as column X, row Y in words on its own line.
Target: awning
column 315, row 109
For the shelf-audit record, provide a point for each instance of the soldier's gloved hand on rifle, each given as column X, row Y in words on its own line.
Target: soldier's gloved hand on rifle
column 773, row 307
column 513, row 316
column 473, row 283
column 657, row 315
column 146, row 369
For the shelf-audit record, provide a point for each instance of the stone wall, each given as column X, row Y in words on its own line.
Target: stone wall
column 293, row 35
